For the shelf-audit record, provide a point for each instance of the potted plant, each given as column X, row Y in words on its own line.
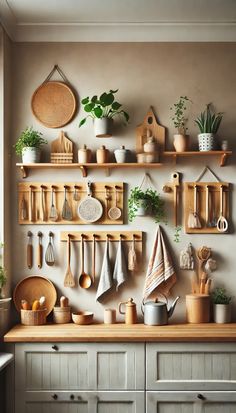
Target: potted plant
column 141, row 203
column 102, row 110
column 208, row 123
column 3, row 280
column 181, row 139
column 29, row 145
column 221, row 306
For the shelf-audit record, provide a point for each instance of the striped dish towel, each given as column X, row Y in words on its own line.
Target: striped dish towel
column 160, row 272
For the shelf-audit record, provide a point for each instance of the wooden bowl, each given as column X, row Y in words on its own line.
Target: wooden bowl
column 82, row 317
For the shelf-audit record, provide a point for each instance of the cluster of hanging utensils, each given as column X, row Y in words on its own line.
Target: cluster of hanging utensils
column 211, row 219
column 87, row 279
column 49, row 254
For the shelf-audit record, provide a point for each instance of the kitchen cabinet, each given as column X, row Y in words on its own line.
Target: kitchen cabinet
column 190, row 402
column 191, row 366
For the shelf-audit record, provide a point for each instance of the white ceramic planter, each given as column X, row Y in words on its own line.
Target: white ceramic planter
column 206, row 142
column 222, row 313
column 141, row 209
column 181, row 142
column 103, row 127
column 31, row 155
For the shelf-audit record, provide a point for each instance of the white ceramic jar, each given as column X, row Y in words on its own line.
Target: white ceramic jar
column 30, row 155
column 121, row 154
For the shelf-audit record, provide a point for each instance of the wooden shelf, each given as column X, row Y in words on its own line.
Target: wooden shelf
column 25, row 168
column 223, row 155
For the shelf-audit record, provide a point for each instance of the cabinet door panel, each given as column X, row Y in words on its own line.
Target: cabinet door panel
column 78, row 366
column 194, row 366
column 189, row 402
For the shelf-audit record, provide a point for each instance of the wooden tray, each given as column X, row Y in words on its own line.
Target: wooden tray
column 98, row 191
column 214, row 189
column 53, row 104
column 32, row 288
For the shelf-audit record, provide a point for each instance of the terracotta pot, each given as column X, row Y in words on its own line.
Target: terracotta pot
column 222, row 313
column 103, row 127
column 181, row 142
column 102, row 155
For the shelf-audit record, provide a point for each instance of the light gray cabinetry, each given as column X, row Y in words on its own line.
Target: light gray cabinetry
column 80, row 378
column 190, row 402
column 191, row 366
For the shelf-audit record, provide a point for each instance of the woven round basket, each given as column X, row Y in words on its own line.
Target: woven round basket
column 53, row 104
column 33, row 318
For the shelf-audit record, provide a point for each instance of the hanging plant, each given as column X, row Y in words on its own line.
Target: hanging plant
column 149, row 200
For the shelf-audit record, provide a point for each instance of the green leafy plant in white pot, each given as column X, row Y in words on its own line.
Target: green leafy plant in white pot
column 141, row 203
column 29, row 145
column 221, row 306
column 208, row 123
column 102, row 111
column 178, row 117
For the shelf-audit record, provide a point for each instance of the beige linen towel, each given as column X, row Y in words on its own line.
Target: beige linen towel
column 105, row 282
column 160, row 272
column 120, row 269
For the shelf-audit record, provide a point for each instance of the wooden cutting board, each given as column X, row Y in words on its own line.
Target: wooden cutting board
column 157, row 131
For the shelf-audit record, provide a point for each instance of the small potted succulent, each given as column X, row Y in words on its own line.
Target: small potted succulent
column 221, row 306
column 208, row 123
column 29, row 145
column 141, row 203
column 181, row 139
column 102, row 110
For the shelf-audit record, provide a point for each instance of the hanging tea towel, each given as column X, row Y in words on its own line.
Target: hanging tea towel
column 160, row 272
column 105, row 282
column 120, row 269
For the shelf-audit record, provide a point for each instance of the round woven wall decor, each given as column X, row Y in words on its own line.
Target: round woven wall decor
column 53, row 104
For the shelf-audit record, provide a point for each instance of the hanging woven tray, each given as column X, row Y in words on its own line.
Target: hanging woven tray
column 54, row 103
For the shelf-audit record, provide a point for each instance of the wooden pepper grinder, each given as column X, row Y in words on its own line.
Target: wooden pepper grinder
column 102, row 155
column 130, row 311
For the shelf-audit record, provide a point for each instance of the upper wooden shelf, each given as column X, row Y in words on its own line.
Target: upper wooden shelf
column 25, row 168
column 223, row 155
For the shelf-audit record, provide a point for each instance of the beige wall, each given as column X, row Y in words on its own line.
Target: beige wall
column 146, row 74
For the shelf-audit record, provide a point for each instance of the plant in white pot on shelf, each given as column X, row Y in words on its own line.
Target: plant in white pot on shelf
column 208, row 123
column 141, row 203
column 29, row 145
column 181, row 139
column 102, row 110
column 221, row 306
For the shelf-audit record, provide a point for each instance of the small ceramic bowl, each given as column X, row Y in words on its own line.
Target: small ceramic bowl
column 82, row 317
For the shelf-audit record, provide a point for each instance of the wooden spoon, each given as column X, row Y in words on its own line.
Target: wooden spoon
column 94, row 258
column 69, row 280
column 85, row 280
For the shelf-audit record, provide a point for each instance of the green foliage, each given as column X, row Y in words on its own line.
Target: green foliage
column 103, row 107
column 178, row 117
column 177, row 234
column 29, row 138
column 3, row 278
column 153, row 203
column 208, row 121
column 219, row 296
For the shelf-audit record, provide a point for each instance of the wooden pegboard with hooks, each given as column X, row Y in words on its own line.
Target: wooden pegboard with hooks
column 105, row 192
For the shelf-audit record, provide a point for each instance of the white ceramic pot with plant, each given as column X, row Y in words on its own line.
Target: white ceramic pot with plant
column 102, row 110
column 148, row 202
column 181, row 139
column 221, row 306
column 29, row 145
column 208, row 123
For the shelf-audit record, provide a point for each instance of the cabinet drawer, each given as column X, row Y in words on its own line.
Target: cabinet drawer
column 194, row 366
column 83, row 402
column 78, row 366
column 191, row 402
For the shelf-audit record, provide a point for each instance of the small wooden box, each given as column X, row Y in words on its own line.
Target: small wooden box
column 62, row 315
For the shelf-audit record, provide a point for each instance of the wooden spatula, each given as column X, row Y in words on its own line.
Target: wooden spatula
column 69, row 280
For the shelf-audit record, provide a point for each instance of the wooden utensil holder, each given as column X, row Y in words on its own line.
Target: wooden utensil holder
column 62, row 315
column 197, row 308
column 33, row 318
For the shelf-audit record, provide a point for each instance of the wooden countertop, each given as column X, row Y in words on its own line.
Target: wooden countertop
column 121, row 332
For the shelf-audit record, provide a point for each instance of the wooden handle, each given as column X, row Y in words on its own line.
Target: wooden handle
column 221, row 200
column 207, row 204
column 40, row 255
column 82, row 254
column 203, row 283
column 93, row 259
column 175, row 206
column 195, row 199
column 194, row 284
column 119, row 307
column 68, row 251
column 30, row 205
column 208, row 286
column 42, row 205
column 29, row 256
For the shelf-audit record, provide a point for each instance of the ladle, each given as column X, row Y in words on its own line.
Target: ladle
column 85, row 280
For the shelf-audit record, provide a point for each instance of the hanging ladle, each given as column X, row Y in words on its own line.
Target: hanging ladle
column 85, row 280
column 222, row 223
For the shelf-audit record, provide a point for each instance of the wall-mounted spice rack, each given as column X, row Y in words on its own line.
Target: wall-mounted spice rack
column 35, row 201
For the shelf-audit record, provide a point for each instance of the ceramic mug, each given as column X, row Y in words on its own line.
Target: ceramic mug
column 109, row 316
